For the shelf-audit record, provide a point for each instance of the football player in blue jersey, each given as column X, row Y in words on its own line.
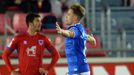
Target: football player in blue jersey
column 75, row 41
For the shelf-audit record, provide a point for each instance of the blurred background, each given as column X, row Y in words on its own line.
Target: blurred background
column 111, row 22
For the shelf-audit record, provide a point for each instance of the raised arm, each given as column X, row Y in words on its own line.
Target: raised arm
column 66, row 33
column 91, row 39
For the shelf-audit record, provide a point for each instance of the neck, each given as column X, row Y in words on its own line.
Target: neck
column 75, row 22
column 31, row 32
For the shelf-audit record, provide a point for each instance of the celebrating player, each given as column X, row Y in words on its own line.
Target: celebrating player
column 76, row 38
column 30, row 47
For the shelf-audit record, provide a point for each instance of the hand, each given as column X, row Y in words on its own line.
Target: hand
column 43, row 71
column 59, row 30
column 15, row 72
column 90, row 35
column 91, row 39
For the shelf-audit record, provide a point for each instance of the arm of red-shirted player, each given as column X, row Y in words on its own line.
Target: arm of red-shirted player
column 7, row 52
column 55, row 56
column 6, row 59
column 54, row 53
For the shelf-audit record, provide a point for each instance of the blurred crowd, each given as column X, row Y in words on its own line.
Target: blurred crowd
column 36, row 6
column 53, row 9
column 50, row 10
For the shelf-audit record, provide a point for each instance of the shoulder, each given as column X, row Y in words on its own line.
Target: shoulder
column 20, row 35
column 42, row 35
column 79, row 26
column 72, row 28
column 76, row 26
column 45, row 38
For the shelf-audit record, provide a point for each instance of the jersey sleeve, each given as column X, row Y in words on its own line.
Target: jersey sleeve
column 54, row 53
column 7, row 52
column 85, row 35
column 13, row 44
column 49, row 45
column 76, row 32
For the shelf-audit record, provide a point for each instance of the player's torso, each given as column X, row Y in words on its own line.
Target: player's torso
column 75, row 52
column 30, row 52
column 31, row 46
column 76, row 57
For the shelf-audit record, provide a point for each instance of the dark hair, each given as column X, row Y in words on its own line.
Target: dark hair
column 78, row 10
column 30, row 17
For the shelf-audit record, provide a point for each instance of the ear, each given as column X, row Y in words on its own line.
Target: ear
column 30, row 23
column 76, row 17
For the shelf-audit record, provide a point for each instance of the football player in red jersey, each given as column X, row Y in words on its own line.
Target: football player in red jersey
column 30, row 47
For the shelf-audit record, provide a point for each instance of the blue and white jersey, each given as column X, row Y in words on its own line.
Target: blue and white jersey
column 75, row 50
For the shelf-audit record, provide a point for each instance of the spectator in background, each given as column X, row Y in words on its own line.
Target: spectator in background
column 67, row 3
column 132, row 3
column 59, row 43
column 1, row 44
column 49, row 21
column 40, row 6
column 70, row 2
column 12, row 5
column 17, row 5
column 125, row 3
column 56, row 8
column 64, row 10
column 2, row 6
column 64, row 6
column 25, row 6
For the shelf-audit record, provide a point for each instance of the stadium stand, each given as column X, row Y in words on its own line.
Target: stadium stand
column 4, row 20
column 49, row 22
column 111, row 3
column 19, row 24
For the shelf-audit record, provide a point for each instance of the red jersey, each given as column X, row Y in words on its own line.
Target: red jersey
column 30, row 52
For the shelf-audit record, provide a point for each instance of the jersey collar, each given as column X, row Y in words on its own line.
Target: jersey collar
column 74, row 25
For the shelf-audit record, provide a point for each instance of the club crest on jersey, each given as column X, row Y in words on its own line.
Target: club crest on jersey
column 25, row 42
column 41, row 42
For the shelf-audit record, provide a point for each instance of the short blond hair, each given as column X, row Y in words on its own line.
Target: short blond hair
column 78, row 10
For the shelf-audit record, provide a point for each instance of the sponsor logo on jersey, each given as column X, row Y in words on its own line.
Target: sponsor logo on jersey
column 31, row 51
column 25, row 42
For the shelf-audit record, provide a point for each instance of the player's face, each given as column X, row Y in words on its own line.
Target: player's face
column 70, row 17
column 36, row 24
